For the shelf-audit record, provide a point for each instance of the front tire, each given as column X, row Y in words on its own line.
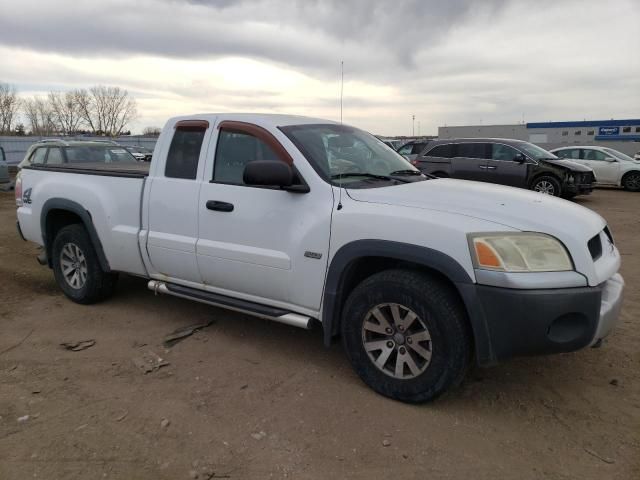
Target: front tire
column 631, row 182
column 406, row 335
column 76, row 267
column 547, row 184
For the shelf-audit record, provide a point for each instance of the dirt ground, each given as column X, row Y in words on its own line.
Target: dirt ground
column 247, row 398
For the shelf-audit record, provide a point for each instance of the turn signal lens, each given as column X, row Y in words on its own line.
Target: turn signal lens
column 486, row 256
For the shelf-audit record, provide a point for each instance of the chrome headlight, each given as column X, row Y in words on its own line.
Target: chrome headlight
column 519, row 252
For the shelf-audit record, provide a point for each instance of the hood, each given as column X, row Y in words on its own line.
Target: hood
column 513, row 207
column 573, row 166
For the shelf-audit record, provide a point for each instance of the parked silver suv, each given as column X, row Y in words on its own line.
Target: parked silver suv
column 51, row 152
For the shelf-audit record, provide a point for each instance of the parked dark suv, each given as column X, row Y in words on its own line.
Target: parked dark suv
column 507, row 162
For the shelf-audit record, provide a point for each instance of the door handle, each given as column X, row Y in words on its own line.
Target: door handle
column 484, row 167
column 490, row 167
column 219, row 206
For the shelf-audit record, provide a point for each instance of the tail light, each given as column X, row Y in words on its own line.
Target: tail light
column 18, row 190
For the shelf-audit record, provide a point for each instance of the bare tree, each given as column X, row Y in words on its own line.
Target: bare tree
column 40, row 116
column 66, row 111
column 106, row 110
column 151, row 131
column 9, row 106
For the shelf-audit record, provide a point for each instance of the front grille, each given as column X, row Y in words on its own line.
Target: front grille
column 595, row 247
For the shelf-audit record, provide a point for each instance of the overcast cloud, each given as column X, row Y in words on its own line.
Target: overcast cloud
column 453, row 62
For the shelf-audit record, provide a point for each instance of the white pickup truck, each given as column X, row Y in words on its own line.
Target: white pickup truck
column 299, row 220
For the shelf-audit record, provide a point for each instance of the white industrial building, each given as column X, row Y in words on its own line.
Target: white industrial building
column 622, row 135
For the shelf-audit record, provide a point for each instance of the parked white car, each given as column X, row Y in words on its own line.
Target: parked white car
column 302, row 221
column 610, row 166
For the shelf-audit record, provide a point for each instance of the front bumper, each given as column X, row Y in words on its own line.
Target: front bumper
column 518, row 322
column 579, row 188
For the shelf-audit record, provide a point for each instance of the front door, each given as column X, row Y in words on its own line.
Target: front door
column 604, row 166
column 258, row 243
column 504, row 169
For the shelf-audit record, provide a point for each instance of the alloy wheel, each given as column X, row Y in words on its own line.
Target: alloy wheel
column 397, row 341
column 545, row 187
column 74, row 265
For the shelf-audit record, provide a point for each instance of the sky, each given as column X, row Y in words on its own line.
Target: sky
column 454, row 62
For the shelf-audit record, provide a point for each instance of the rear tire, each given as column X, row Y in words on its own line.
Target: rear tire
column 546, row 184
column 631, row 181
column 397, row 314
column 77, row 269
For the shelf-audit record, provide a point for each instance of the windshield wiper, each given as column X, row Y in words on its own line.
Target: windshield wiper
column 406, row 172
column 366, row 175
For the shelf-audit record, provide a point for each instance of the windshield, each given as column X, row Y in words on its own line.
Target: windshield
column 342, row 154
column 98, row 154
column 618, row 154
column 535, row 151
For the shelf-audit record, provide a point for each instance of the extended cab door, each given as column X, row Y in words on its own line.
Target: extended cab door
column 173, row 203
column 261, row 244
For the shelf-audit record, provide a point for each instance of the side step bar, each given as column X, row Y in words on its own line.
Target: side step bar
column 242, row 306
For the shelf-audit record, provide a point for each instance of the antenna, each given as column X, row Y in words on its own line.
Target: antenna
column 341, row 86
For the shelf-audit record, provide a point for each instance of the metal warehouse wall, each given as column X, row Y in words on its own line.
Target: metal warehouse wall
column 16, row 147
column 554, row 136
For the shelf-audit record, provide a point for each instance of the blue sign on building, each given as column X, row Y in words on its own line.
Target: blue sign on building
column 609, row 131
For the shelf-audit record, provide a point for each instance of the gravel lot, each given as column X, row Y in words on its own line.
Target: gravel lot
column 246, row 398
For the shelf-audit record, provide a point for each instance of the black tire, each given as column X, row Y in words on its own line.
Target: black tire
column 547, row 184
column 97, row 285
column 631, row 181
column 437, row 307
column 569, row 196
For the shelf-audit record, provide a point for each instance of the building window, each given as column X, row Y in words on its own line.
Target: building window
column 637, row 129
column 565, row 134
column 591, row 132
column 626, row 130
column 578, row 132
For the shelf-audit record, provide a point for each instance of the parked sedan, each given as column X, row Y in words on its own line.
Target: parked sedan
column 610, row 166
column 141, row 154
column 4, row 168
column 507, row 162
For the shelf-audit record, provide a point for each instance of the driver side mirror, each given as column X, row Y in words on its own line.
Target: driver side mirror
column 520, row 158
column 271, row 173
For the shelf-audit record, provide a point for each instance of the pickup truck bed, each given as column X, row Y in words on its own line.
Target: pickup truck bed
column 134, row 170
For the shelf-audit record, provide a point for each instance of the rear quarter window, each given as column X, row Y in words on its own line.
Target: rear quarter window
column 184, row 153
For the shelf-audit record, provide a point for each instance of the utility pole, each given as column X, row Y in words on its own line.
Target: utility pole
column 413, row 125
column 341, row 86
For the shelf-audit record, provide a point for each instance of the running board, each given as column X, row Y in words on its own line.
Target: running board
column 237, row 305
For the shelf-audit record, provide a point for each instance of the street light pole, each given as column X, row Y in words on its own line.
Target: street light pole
column 413, row 125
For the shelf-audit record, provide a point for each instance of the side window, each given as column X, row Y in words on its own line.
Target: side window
column 418, row 148
column 55, row 156
column 406, row 149
column 443, row 151
column 594, row 155
column 503, row 152
column 234, row 151
column 472, row 150
column 184, row 153
column 37, row 157
column 570, row 153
